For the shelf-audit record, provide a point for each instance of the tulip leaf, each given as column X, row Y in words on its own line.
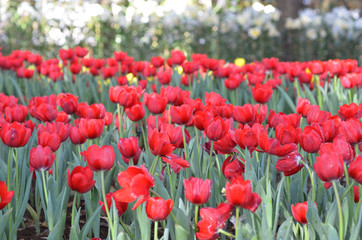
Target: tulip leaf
column 87, row 227
column 181, row 233
column 58, row 230
column 160, row 188
column 75, row 230
column 144, row 223
column 285, row 229
column 287, row 98
column 355, row 231
column 277, row 205
column 315, row 221
column 4, row 220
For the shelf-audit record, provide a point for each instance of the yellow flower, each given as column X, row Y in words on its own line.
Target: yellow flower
column 239, row 62
column 131, row 79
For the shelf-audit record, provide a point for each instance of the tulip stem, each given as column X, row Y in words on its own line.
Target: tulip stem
column 45, row 188
column 226, row 233
column 210, row 155
column 154, row 165
column 347, row 191
column 106, row 205
column 339, row 210
column 306, row 234
column 9, row 167
column 144, row 138
column 125, row 227
column 237, row 221
column 196, row 217
column 267, row 171
column 120, row 113
column 311, row 179
column 73, row 207
column 157, row 122
column 296, row 85
column 318, row 90
column 155, row 235
column 185, row 146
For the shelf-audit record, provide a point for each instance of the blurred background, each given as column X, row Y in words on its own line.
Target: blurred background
column 227, row 29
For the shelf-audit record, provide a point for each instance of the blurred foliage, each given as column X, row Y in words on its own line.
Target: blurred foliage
column 220, row 29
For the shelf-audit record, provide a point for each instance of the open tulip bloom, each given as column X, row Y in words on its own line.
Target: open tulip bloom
column 191, row 146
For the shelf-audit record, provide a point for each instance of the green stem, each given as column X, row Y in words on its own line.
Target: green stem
column 311, row 179
column 106, row 205
column 185, row 145
column 16, row 172
column 318, row 90
column 196, row 217
column 170, row 179
column 73, row 207
column 120, row 113
column 210, row 155
column 57, row 172
column 45, row 188
column 154, row 165
column 226, row 233
column 267, row 171
column 157, row 122
column 125, row 227
column 155, row 235
column 9, row 167
column 306, row 234
column 339, row 210
column 296, row 85
column 144, row 138
column 237, row 221
column 347, row 191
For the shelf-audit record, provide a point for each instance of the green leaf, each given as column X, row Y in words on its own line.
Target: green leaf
column 355, row 232
column 277, row 205
column 285, row 229
column 4, row 220
column 87, row 227
column 287, row 98
column 144, row 223
column 58, row 230
column 181, row 233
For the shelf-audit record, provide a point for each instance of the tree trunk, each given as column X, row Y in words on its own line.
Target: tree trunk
column 289, row 9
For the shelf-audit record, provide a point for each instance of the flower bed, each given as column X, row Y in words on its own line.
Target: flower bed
column 179, row 149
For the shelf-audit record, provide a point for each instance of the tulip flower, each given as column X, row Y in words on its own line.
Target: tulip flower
column 5, row 195
column 290, row 164
column 41, row 158
column 213, row 220
column 239, row 194
column 68, row 102
column 159, row 143
column 233, row 167
column 91, row 128
column 197, row 191
column 129, row 148
column 355, row 169
column 136, row 183
column 121, row 206
column 158, row 209
column 356, row 193
column 15, row 134
column 244, row 114
column 99, row 158
column 310, row 139
column 216, row 128
column 299, row 212
column 351, row 129
column 262, row 93
column 76, row 137
column 16, row 113
column 51, row 140
column 155, row 103
column 181, row 115
column 81, row 179
column 329, row 166
column 347, row 111
column 303, row 106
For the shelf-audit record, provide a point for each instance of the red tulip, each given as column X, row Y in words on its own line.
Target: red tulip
column 157, row 61
column 315, row 115
column 175, row 134
column 244, row 114
column 262, row 93
column 351, row 129
column 214, row 99
column 316, row 67
column 5, row 195
column 91, row 128
column 68, row 102
column 200, row 117
column 128, row 147
column 216, row 128
column 76, row 137
column 329, row 166
column 197, row 191
column 136, row 183
column 273, row 146
column 310, row 139
column 350, row 111
column 136, row 112
column 62, row 117
column 51, row 140
column 121, row 206
column 99, row 158
column 181, row 115
column 41, row 158
column 159, row 143
column 56, row 127
column 290, row 164
column 43, row 108
column 226, row 144
column 286, row 134
column 94, row 111
column 213, row 219
column 299, row 212
column 239, row 193
column 233, row 167
column 177, row 57
column 16, row 113
column 356, row 193
column 14, row 134
column 155, row 103
column 81, row 179
column 303, row 106
column 158, row 209
column 355, row 169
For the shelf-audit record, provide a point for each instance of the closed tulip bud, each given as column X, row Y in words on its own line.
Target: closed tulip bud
column 356, row 193
column 299, row 212
column 91, row 128
column 244, row 114
column 81, row 179
column 128, row 147
column 158, row 209
column 303, row 106
column 41, row 158
column 351, row 129
column 14, row 134
column 99, row 158
column 159, row 143
column 5, row 195
column 136, row 112
column 68, row 102
column 216, row 128
column 355, row 169
column 226, row 144
column 310, row 139
column 197, row 191
column 76, row 137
